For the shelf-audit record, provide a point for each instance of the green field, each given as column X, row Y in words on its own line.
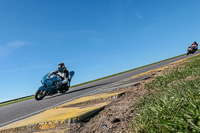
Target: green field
column 175, row 104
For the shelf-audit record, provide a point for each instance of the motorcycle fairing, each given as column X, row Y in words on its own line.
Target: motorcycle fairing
column 43, row 88
column 71, row 73
column 51, row 80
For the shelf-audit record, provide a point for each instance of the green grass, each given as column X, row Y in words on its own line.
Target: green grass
column 15, row 101
column 175, row 105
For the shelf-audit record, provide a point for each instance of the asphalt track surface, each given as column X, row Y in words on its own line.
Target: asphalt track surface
column 17, row 111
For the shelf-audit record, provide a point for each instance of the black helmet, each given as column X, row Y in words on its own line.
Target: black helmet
column 61, row 67
column 195, row 42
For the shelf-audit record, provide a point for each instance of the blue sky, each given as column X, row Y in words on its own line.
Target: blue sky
column 95, row 38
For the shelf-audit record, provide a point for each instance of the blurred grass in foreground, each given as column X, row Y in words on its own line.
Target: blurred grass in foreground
column 175, row 105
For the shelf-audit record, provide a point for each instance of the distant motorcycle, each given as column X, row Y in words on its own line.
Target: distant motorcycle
column 191, row 50
column 49, row 86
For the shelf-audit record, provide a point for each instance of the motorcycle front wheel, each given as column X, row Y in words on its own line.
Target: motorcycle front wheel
column 40, row 94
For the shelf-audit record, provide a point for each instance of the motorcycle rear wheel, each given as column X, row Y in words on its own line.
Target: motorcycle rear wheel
column 39, row 95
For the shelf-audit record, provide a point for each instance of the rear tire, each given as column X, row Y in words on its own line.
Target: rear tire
column 39, row 95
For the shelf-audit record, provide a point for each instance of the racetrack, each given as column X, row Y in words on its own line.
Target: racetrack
column 20, row 110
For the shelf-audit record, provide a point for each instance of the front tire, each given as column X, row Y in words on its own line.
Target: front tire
column 39, row 95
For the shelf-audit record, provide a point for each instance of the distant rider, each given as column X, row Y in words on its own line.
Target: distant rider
column 194, row 45
column 64, row 73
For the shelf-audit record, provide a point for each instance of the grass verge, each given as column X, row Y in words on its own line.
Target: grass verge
column 15, row 101
column 175, row 105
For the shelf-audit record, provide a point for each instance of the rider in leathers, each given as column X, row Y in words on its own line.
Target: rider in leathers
column 64, row 73
column 194, row 45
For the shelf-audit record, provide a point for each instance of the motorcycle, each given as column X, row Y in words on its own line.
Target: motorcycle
column 50, row 87
column 191, row 50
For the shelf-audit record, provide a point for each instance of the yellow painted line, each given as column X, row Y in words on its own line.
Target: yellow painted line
column 178, row 61
column 160, row 69
column 89, row 98
column 145, row 73
column 156, row 70
column 49, row 119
